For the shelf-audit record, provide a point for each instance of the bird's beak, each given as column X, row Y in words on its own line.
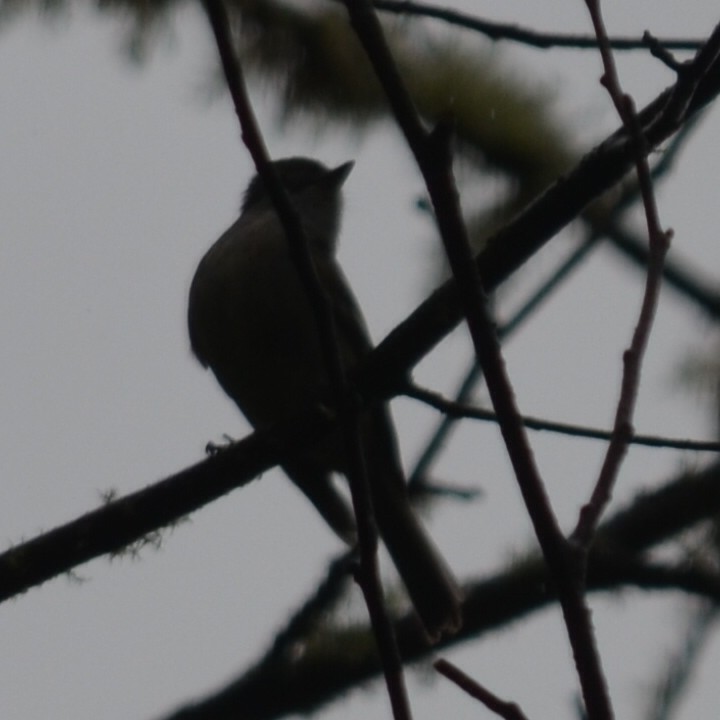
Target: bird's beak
column 338, row 175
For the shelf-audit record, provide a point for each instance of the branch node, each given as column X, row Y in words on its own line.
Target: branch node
column 657, row 50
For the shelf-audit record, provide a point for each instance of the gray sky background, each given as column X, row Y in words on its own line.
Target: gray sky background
column 115, row 179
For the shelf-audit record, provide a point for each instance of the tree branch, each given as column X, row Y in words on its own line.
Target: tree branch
column 516, row 33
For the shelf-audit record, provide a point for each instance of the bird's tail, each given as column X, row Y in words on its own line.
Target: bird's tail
column 434, row 592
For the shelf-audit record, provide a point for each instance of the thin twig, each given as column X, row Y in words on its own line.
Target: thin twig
column 532, row 38
column 659, row 50
column 455, row 409
column 659, row 242
column 502, row 708
column 676, row 274
column 702, row 293
column 690, row 75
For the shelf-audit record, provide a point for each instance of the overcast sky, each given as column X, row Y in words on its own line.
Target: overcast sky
column 115, row 179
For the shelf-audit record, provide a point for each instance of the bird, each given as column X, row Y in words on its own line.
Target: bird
column 251, row 323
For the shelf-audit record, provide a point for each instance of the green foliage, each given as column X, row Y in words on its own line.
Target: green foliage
column 306, row 55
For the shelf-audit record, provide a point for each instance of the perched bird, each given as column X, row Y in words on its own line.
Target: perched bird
column 250, row 321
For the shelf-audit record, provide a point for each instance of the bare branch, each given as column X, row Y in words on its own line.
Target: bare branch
column 659, row 242
column 455, row 409
column 502, row 708
column 532, row 38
